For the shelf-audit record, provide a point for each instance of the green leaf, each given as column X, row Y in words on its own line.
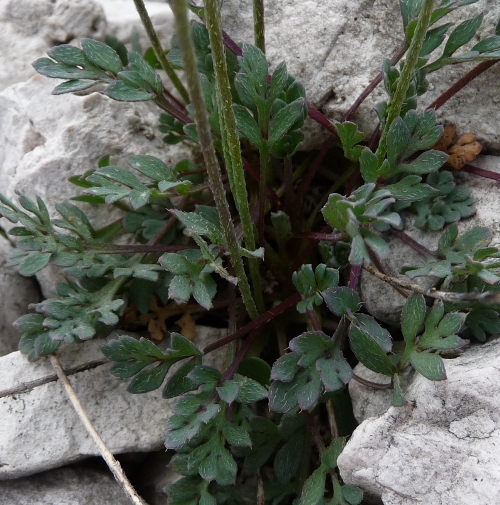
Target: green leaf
column 350, row 137
column 199, row 225
column 369, row 326
column 236, row 435
column 34, row 262
column 352, row 494
column 72, row 86
column 314, row 487
column 428, row 161
column 124, row 93
column 341, row 300
column 369, row 352
column 433, row 39
column 308, row 394
column 247, row 126
column 397, row 140
column 228, row 391
column 288, row 459
column 140, row 65
column 284, row 120
column 409, row 189
column 102, row 55
column 257, row 369
column 461, row 35
column 250, row 391
column 179, row 383
column 369, row 165
column 431, row 366
column 119, row 47
column 69, row 55
column 285, row 368
column 412, row 317
column 149, row 380
column 283, row 395
column 310, row 346
column 332, row 452
column 44, row 345
column 151, row 167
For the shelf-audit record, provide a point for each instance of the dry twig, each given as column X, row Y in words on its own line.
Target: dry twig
column 112, row 463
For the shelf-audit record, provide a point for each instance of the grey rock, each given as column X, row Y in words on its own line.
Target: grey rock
column 29, row 27
column 366, row 401
column 335, row 48
column 47, row 139
column 16, row 293
column 40, row 430
column 443, row 449
column 64, row 486
column 385, row 303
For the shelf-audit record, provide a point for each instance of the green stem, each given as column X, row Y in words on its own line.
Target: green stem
column 258, row 25
column 183, row 30
column 406, row 74
column 264, row 176
column 230, row 139
column 158, row 50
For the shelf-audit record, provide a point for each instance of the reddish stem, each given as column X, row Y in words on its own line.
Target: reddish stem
column 423, row 251
column 256, row 324
column 488, row 174
column 461, row 83
column 240, row 356
column 313, row 318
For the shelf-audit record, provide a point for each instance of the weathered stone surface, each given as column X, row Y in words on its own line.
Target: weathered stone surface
column 16, row 293
column 29, row 27
column 441, row 450
column 64, row 486
column 366, row 401
column 39, row 428
column 335, row 48
column 46, row 139
column 385, row 303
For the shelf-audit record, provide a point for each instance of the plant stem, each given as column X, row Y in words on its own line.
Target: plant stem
column 263, row 319
column 406, row 74
column 209, row 155
column 446, row 296
column 264, row 176
column 481, row 172
column 112, row 463
column 416, row 246
column 158, row 50
column 230, row 139
column 461, row 83
column 258, row 25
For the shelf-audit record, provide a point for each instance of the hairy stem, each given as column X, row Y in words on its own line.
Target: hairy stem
column 158, row 50
column 406, row 74
column 230, row 138
column 209, row 155
column 258, row 24
column 112, row 463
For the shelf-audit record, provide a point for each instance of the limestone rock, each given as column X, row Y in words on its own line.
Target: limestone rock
column 29, row 27
column 16, row 293
column 39, row 428
column 444, row 448
column 75, row 486
column 335, row 48
column 380, row 299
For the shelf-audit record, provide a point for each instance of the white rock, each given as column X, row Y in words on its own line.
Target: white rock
column 385, row 303
column 46, row 139
column 29, row 27
column 16, row 293
column 443, row 450
column 64, row 486
column 335, row 48
column 39, row 428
